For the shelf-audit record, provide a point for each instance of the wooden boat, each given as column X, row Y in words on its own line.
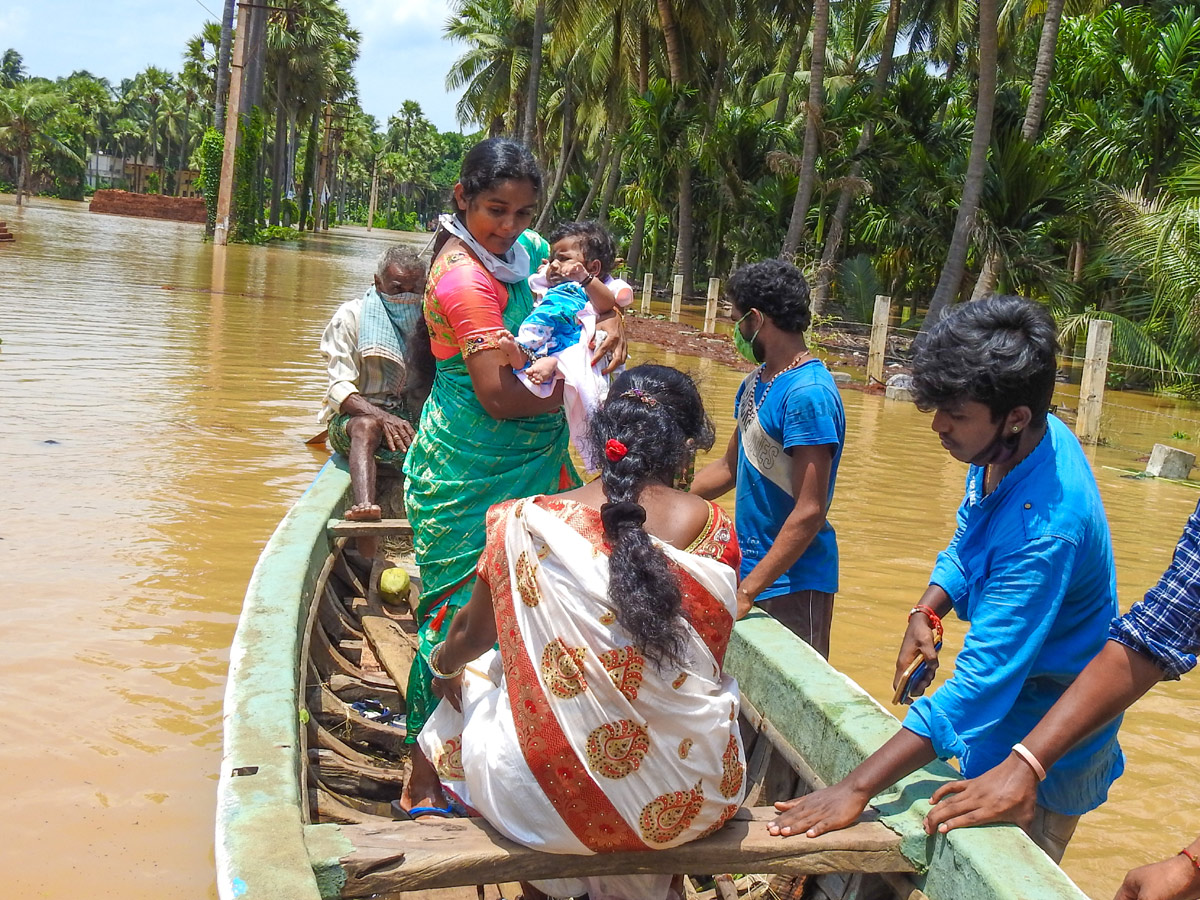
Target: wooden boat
column 306, row 778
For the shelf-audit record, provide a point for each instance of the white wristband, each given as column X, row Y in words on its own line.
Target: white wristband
column 1026, row 754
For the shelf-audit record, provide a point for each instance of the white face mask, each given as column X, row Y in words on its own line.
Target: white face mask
column 509, row 270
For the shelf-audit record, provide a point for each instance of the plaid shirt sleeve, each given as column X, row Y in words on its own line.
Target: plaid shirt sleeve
column 1166, row 625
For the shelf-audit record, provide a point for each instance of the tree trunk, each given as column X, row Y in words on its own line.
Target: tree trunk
column 22, row 170
column 635, row 242
column 564, row 158
column 256, row 42
column 222, row 85
column 808, row 162
column 1042, row 71
column 278, row 157
column 643, row 69
column 599, row 179
column 989, row 275
column 674, row 41
column 535, row 73
column 789, row 72
column 950, row 281
column 841, row 214
column 610, row 186
column 683, row 248
column 310, row 164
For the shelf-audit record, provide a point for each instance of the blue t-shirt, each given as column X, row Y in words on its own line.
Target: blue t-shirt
column 1030, row 566
column 803, row 408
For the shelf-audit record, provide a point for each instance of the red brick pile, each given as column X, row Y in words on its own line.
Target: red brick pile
column 151, row 206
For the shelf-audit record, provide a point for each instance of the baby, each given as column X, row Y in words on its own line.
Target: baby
column 574, row 284
column 552, row 342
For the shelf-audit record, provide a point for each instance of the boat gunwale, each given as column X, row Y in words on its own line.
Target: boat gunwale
column 260, row 847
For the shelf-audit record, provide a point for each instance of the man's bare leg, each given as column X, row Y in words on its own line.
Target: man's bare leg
column 366, row 434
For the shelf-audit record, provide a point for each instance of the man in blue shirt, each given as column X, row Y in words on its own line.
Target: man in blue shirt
column 1157, row 639
column 1030, row 565
column 784, row 456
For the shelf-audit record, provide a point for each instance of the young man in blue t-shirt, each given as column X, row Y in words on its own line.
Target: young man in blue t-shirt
column 784, row 456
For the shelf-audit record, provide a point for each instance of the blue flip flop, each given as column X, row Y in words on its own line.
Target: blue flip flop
column 401, row 814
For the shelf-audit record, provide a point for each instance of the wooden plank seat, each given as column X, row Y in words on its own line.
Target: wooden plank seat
column 378, row 528
column 393, row 647
column 388, row 857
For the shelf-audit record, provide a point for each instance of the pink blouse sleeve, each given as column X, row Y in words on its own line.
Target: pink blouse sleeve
column 466, row 312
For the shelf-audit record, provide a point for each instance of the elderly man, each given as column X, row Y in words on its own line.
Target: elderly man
column 370, row 413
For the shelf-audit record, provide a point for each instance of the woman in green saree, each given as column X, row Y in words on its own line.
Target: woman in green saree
column 483, row 437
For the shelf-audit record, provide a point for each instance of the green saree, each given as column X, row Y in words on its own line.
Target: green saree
column 462, row 462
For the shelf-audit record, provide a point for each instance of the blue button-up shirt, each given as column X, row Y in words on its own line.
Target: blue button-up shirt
column 1166, row 625
column 1031, row 567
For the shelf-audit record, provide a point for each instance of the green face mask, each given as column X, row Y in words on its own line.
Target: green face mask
column 743, row 345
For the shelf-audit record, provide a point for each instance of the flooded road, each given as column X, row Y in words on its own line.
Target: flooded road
column 156, row 393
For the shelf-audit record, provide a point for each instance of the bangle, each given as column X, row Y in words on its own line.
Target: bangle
column 1192, row 856
column 935, row 621
column 434, row 654
column 587, row 280
column 1026, row 754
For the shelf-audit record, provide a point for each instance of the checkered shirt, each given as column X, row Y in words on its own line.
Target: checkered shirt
column 1166, row 625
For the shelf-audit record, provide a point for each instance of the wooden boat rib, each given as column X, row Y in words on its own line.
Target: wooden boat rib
column 306, row 780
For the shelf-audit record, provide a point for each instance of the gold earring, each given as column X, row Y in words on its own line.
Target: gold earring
column 1016, row 428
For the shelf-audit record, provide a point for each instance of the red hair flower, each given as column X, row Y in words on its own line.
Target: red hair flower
column 615, row 450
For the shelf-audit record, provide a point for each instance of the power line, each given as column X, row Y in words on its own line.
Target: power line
column 207, row 10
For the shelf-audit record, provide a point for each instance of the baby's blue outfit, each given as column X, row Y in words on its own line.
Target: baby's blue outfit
column 553, row 325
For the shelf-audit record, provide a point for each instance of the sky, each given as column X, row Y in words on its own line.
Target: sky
column 402, row 55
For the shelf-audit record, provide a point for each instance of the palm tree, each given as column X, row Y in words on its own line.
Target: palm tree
column 27, row 111
column 150, row 85
column 493, row 68
column 951, row 278
column 12, row 68
column 841, row 213
column 808, row 164
column 1042, row 70
column 535, row 72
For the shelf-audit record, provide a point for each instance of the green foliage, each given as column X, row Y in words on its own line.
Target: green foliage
column 1181, row 435
column 246, row 207
column 152, row 181
column 212, row 151
column 277, row 233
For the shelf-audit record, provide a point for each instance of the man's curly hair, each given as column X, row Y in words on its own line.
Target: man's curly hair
column 777, row 289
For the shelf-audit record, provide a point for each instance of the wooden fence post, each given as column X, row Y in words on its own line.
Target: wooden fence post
column 879, row 333
column 647, row 290
column 710, row 310
column 1091, row 387
column 677, row 298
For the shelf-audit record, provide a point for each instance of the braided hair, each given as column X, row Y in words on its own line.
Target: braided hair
column 656, row 414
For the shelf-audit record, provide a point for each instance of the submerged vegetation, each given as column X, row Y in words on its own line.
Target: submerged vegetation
column 929, row 151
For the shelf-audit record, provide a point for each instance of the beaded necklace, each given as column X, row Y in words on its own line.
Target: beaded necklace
column 798, row 360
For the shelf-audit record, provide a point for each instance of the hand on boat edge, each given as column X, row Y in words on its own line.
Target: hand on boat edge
column 814, row 814
column 1005, row 793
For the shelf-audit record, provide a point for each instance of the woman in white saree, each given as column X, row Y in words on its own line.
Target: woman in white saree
column 604, row 723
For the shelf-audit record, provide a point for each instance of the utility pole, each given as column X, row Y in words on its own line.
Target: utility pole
column 225, row 194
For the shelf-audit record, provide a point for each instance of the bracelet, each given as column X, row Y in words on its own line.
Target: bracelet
column 1026, row 754
column 587, row 280
column 1192, row 856
column 935, row 621
column 433, row 656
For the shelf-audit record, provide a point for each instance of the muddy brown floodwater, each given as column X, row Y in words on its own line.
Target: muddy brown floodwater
column 156, row 393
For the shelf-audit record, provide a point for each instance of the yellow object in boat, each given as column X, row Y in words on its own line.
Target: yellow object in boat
column 394, row 584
